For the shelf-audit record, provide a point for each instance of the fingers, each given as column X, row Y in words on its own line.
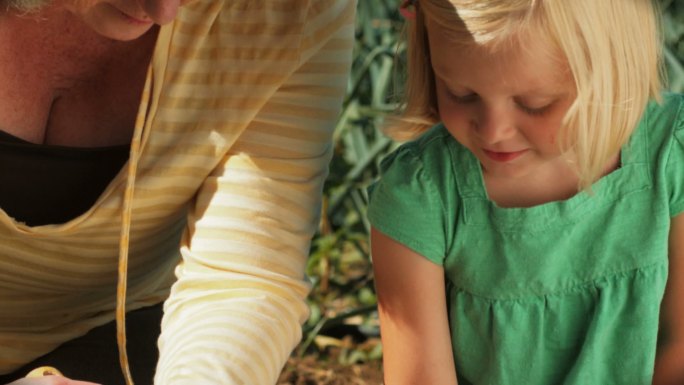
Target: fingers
column 47, row 375
column 44, row 371
column 50, row 380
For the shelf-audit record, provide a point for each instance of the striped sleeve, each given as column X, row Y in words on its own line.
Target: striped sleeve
column 235, row 313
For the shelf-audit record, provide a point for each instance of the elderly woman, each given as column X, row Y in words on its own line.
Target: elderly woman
column 162, row 151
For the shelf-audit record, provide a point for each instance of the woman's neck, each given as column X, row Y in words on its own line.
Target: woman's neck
column 69, row 49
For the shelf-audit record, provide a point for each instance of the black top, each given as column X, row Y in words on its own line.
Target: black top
column 46, row 184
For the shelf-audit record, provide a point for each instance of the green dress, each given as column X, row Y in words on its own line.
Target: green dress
column 566, row 292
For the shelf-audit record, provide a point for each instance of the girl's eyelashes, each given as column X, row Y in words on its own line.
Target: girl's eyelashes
column 536, row 111
column 463, row 99
column 473, row 97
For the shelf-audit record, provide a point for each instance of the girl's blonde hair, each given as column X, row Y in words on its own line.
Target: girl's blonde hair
column 612, row 48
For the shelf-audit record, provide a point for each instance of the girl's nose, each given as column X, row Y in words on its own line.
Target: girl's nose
column 493, row 125
column 161, row 11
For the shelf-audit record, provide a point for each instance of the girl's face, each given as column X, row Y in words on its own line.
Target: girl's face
column 506, row 105
column 124, row 19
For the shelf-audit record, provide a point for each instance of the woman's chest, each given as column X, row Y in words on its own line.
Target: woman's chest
column 69, row 95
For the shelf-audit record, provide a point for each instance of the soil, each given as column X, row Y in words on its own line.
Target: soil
column 312, row 371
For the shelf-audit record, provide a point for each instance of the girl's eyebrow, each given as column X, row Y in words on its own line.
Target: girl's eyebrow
column 537, row 92
column 452, row 81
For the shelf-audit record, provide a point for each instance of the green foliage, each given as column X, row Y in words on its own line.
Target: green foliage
column 343, row 295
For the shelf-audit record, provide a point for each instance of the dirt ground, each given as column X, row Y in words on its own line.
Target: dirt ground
column 310, row 371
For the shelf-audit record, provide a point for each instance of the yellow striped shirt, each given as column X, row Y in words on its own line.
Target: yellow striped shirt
column 230, row 151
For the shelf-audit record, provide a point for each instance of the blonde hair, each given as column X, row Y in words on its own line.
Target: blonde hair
column 612, row 48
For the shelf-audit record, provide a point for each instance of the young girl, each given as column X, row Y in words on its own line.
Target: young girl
column 526, row 237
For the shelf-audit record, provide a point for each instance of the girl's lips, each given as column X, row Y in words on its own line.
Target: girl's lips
column 503, row 156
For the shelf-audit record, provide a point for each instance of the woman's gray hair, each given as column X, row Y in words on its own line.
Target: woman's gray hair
column 23, row 5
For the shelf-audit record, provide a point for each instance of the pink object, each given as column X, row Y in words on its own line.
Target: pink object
column 408, row 9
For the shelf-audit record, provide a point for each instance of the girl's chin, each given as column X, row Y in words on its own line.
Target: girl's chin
column 505, row 170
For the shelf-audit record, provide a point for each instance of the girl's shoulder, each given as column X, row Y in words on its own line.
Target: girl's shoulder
column 665, row 116
column 660, row 137
column 414, row 201
column 661, row 123
column 430, row 152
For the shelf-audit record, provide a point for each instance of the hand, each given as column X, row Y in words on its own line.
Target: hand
column 50, row 380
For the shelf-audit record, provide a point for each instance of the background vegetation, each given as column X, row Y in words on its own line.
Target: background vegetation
column 341, row 338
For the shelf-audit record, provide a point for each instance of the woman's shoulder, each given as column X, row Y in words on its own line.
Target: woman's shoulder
column 282, row 31
column 262, row 13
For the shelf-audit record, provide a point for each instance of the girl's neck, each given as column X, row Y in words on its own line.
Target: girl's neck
column 556, row 182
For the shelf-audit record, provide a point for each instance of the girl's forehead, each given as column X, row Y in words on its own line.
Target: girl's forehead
column 518, row 63
column 519, row 43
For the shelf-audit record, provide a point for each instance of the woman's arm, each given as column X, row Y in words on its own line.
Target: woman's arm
column 669, row 368
column 413, row 315
column 235, row 313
